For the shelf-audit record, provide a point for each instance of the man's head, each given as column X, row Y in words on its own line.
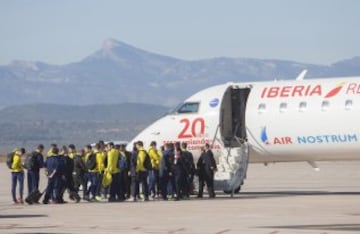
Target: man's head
column 122, row 147
column 139, row 144
column 183, row 145
column 87, row 148
column 153, row 144
column 98, row 146
column 55, row 150
column 110, row 145
column 40, row 148
column 72, row 148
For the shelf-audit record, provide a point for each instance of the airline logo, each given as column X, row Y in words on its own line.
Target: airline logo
column 309, row 90
column 308, row 139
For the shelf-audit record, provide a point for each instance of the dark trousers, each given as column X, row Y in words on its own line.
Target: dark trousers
column 68, row 184
column 166, row 178
column 33, row 178
column 79, row 180
column 134, row 186
column 115, row 187
column 142, row 179
column 53, row 189
column 208, row 178
column 17, row 177
column 127, row 184
column 179, row 185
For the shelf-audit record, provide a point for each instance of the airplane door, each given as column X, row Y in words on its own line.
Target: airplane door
column 232, row 116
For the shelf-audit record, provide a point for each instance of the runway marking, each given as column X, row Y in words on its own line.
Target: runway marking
column 223, row 231
column 175, row 231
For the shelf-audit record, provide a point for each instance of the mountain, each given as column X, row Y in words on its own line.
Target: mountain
column 119, row 72
column 29, row 125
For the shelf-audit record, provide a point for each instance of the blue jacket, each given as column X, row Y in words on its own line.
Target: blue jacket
column 52, row 163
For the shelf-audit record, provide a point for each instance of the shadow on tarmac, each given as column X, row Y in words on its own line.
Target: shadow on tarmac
column 277, row 194
column 327, row 227
column 20, row 216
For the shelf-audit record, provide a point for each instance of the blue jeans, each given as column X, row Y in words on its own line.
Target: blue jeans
column 95, row 181
column 15, row 177
column 33, row 181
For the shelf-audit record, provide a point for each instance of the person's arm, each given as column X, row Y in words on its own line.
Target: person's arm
column 213, row 163
column 40, row 160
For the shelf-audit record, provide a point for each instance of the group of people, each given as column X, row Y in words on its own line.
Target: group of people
column 109, row 171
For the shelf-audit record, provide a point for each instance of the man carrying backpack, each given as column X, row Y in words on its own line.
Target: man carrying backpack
column 17, row 174
column 34, row 161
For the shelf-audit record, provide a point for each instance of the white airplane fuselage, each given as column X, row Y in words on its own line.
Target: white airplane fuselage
column 294, row 120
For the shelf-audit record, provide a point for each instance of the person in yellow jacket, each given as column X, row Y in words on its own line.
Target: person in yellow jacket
column 141, row 170
column 17, row 175
column 113, row 167
column 94, row 174
column 154, row 179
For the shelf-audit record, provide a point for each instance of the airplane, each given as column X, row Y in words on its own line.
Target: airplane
column 265, row 122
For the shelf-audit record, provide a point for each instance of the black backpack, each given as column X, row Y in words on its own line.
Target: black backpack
column 30, row 161
column 10, row 159
column 91, row 162
column 147, row 162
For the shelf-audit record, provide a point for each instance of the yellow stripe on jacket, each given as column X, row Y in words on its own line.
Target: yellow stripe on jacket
column 16, row 165
column 140, row 160
column 155, row 157
column 112, row 161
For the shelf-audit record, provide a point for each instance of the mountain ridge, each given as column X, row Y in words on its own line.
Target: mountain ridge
column 119, row 72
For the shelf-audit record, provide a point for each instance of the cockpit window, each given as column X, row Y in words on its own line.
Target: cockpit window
column 188, row 107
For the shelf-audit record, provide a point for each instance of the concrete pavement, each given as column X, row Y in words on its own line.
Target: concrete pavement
column 280, row 198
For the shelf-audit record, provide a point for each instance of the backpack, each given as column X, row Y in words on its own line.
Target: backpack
column 147, row 162
column 30, row 161
column 122, row 163
column 10, row 159
column 91, row 162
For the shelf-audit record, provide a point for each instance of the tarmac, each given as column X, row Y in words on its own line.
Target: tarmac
column 279, row 198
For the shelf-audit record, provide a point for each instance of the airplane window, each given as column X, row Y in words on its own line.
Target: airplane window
column 302, row 106
column 189, row 107
column 325, row 105
column 348, row 104
column 261, row 107
column 283, row 107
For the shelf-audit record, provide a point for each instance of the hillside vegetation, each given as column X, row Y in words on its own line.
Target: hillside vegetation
column 29, row 125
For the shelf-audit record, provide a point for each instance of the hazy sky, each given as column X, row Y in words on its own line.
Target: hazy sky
column 58, row 32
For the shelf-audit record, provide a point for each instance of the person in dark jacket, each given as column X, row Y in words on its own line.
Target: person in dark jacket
column 167, row 170
column 133, row 174
column 53, row 171
column 190, row 170
column 206, row 166
column 126, row 173
column 67, row 178
column 33, row 173
column 79, row 170
column 180, row 172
